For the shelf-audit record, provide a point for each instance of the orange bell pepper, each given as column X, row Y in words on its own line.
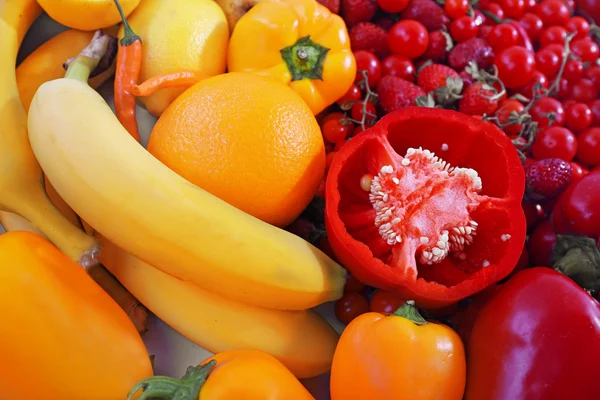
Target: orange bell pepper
column 299, row 43
column 401, row 356
column 61, row 336
column 240, row 375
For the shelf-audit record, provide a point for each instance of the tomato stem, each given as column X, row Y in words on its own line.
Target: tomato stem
column 409, row 311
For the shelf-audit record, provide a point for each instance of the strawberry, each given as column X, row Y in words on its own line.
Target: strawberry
column 332, row 5
column 440, row 44
column 476, row 100
column 395, row 93
column 427, row 12
column 369, row 37
column 355, row 11
column 476, row 49
column 467, row 78
column 546, row 179
column 434, row 76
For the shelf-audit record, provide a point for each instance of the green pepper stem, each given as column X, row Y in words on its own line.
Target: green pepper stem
column 82, row 66
column 164, row 387
column 129, row 36
column 409, row 311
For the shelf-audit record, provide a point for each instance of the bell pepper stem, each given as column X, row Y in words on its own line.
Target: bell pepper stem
column 305, row 59
column 409, row 311
column 82, row 66
column 164, row 387
column 578, row 258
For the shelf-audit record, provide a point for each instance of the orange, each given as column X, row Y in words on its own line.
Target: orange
column 248, row 140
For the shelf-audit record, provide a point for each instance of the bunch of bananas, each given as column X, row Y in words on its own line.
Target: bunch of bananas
column 222, row 278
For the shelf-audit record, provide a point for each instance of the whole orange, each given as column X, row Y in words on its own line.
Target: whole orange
column 248, row 140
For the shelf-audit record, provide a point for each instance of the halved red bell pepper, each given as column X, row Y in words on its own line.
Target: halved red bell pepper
column 434, row 228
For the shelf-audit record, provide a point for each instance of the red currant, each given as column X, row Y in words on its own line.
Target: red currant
column 513, row 8
column 352, row 96
column 455, row 8
column 593, row 74
column 583, row 91
column 554, row 34
column 573, row 70
column 553, row 12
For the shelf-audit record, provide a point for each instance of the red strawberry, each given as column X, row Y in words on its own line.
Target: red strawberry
column 395, row 93
column 333, row 5
column 434, row 76
column 369, row 37
column 427, row 12
column 355, row 11
column 476, row 100
column 546, row 179
column 467, row 78
column 476, row 49
column 440, row 44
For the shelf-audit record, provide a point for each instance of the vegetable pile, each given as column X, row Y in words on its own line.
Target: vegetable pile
column 427, row 172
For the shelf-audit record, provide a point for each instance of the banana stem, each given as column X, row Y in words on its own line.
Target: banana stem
column 82, row 66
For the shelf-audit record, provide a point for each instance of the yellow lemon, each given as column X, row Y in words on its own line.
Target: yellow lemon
column 189, row 35
column 87, row 15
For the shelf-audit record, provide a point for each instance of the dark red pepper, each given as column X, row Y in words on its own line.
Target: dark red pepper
column 432, row 203
column 538, row 337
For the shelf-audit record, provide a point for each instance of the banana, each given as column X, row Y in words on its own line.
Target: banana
column 21, row 181
column 301, row 340
column 139, row 204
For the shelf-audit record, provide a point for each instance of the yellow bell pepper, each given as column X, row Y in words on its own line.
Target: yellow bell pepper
column 299, row 43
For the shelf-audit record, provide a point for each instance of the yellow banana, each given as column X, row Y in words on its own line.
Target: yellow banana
column 142, row 206
column 21, row 182
column 301, row 340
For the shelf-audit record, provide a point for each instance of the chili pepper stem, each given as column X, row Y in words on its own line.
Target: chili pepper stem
column 409, row 311
column 164, row 387
column 129, row 36
column 83, row 65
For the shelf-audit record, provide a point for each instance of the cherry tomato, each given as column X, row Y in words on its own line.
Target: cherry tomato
column 558, row 49
column 336, row 127
column 533, row 25
column 495, row 10
column 399, row 66
column 583, row 91
column 573, row 70
column 352, row 96
column 530, row 5
column 564, row 89
column 593, row 74
column 463, row 29
column 586, row 49
column 554, row 34
column 515, row 66
column 385, row 302
column 513, row 8
column 540, row 110
column 392, row 6
column 505, row 108
column 408, row 38
column 553, row 12
column 503, row 36
column 578, row 171
column 350, row 306
column 579, row 25
column 555, row 142
column 353, row 285
column 547, row 62
column 595, row 107
column 588, row 151
column 359, row 109
column 358, row 129
column 578, row 116
column 541, row 243
column 369, row 62
column 537, row 79
column 455, row 8
column 534, row 213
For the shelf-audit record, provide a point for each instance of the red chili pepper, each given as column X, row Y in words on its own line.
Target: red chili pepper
column 538, row 337
column 129, row 61
column 168, row 80
column 414, row 224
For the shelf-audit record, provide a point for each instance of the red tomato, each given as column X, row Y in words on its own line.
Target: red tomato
column 540, row 244
column 583, row 91
column 553, row 12
column 573, row 70
column 591, row 8
column 578, row 171
column 336, row 127
column 553, row 35
column 579, row 25
column 463, row 29
column 547, row 62
column 455, row 8
column 578, row 116
column 505, row 108
column 369, row 62
column 385, row 302
column 586, row 49
column 399, row 66
column 595, row 107
column 589, row 147
column 408, row 38
column 537, row 79
column 555, row 142
column 503, row 36
column 353, row 285
column 593, row 74
column 392, row 6
column 352, row 95
column 359, row 109
column 350, row 306
column 513, row 8
column 564, row 89
column 534, row 213
column 539, row 112
column 533, row 25
column 515, row 66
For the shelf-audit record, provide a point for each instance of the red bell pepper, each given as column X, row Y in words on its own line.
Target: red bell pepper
column 435, row 229
column 538, row 337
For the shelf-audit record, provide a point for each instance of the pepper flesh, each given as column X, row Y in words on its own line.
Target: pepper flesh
column 299, row 43
column 484, row 195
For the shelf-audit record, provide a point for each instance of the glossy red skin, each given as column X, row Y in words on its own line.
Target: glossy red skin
column 399, row 66
column 553, row 12
column 588, row 151
column 515, row 66
column 367, row 61
column 471, row 143
column 591, row 8
column 576, row 211
column 532, row 24
column 537, row 338
column 541, row 242
column 544, row 106
column 554, row 34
